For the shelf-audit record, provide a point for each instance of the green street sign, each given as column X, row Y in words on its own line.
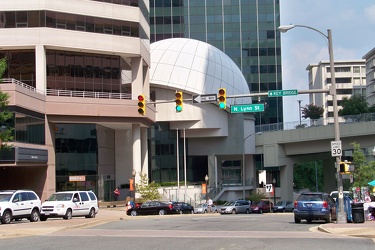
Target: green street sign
column 246, row 108
column 278, row 93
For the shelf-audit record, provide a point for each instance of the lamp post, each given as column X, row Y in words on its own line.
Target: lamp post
column 206, row 179
column 299, row 111
column 134, row 174
column 341, row 215
column 274, row 191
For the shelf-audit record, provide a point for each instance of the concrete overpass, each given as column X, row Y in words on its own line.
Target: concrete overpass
column 285, row 148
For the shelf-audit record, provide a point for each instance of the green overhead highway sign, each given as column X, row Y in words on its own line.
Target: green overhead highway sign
column 247, row 108
column 278, row 93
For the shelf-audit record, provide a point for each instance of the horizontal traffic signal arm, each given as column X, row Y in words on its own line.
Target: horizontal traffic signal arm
column 311, row 91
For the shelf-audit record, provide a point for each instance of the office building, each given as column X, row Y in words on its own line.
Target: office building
column 370, row 76
column 350, row 80
column 245, row 30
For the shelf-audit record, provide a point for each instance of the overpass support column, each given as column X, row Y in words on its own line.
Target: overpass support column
column 286, row 179
column 329, row 175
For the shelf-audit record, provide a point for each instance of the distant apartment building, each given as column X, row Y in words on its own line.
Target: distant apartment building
column 370, row 76
column 350, row 80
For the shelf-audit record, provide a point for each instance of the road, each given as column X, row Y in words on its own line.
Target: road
column 267, row 231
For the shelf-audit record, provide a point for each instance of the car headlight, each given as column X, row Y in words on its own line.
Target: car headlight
column 60, row 206
column 256, row 208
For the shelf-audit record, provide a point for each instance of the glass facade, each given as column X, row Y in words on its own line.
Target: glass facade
column 76, row 155
column 246, row 30
column 60, row 20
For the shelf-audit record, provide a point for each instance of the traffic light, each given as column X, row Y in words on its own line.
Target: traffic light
column 346, row 167
column 141, row 105
column 179, row 101
column 222, row 98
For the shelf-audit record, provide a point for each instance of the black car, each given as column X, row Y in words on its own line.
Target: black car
column 151, row 208
column 182, row 208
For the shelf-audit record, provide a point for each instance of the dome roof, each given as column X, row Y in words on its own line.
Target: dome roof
column 195, row 67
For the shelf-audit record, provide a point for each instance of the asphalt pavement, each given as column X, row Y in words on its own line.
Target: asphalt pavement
column 25, row 228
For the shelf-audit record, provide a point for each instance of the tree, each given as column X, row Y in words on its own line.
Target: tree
column 354, row 105
column 148, row 191
column 6, row 131
column 312, row 111
column 364, row 171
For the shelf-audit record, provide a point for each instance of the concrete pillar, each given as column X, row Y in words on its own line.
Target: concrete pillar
column 329, row 175
column 144, row 151
column 137, row 162
column 40, row 68
column 286, row 185
column 50, row 180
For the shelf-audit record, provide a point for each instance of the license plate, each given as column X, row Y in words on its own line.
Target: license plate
column 309, row 205
column 46, row 213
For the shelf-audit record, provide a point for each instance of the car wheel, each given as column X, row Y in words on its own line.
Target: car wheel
column 162, row 212
column 297, row 220
column 34, row 215
column 329, row 218
column 43, row 218
column 192, row 211
column 181, row 212
column 234, row 211
column 284, row 210
column 7, row 217
column 133, row 213
column 91, row 214
column 205, row 211
column 309, row 221
column 247, row 211
column 68, row 214
column 260, row 211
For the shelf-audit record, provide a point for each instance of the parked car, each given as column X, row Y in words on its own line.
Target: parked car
column 314, row 206
column 236, row 207
column 263, row 206
column 182, row 208
column 289, row 207
column 335, row 194
column 151, row 208
column 70, row 204
column 281, row 206
column 19, row 204
column 202, row 209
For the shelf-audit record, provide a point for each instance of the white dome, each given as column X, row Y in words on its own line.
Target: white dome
column 195, row 67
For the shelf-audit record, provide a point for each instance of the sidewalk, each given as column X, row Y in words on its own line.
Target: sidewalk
column 365, row 230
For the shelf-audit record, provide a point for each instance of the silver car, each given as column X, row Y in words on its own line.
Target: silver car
column 236, row 207
column 202, row 209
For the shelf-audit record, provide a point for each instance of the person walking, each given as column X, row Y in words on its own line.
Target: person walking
column 209, row 204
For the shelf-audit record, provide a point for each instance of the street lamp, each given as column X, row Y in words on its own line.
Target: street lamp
column 134, row 174
column 341, row 216
column 206, row 179
column 274, row 192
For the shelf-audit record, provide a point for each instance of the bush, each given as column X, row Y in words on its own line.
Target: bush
column 257, row 197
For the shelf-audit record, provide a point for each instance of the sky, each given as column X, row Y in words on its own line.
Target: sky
column 352, row 23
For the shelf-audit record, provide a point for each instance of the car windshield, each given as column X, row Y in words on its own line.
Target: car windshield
column 260, row 203
column 279, row 203
column 201, row 205
column 60, row 197
column 229, row 203
column 5, row 197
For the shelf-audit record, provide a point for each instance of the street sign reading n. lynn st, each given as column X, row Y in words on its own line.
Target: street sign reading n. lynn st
column 246, row 108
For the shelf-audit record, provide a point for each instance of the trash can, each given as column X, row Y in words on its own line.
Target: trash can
column 358, row 213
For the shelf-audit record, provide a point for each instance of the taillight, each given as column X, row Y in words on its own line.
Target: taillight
column 295, row 204
column 325, row 204
column 170, row 206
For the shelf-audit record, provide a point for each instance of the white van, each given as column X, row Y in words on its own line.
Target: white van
column 335, row 194
column 70, row 204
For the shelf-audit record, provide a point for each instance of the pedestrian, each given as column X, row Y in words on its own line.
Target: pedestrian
column 209, row 204
column 116, row 193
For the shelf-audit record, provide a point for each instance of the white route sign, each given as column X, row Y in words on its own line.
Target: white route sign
column 268, row 188
column 336, row 149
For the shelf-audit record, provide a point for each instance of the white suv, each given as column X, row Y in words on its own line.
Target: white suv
column 19, row 204
column 70, row 204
